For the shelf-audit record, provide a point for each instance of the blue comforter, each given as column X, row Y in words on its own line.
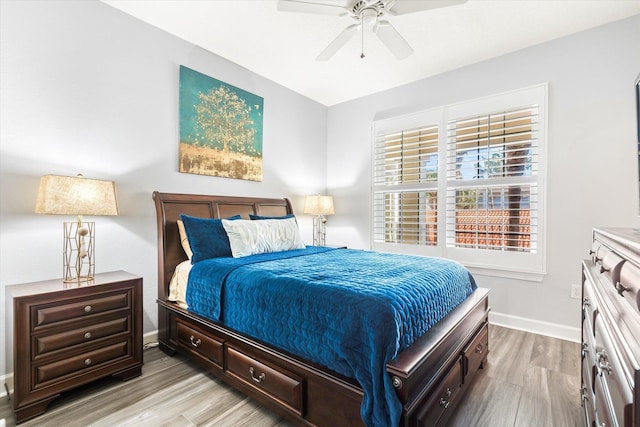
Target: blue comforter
column 349, row 310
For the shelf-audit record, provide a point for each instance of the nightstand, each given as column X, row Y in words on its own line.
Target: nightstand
column 69, row 334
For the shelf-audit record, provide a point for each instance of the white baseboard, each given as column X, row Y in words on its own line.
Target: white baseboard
column 553, row 330
column 150, row 338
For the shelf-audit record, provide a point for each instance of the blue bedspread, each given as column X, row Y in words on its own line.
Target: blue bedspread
column 349, row 310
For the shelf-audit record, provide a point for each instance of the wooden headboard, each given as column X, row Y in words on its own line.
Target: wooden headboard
column 169, row 206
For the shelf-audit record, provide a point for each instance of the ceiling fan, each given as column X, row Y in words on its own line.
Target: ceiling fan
column 367, row 13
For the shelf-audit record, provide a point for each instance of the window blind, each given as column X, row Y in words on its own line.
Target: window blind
column 500, row 150
column 405, row 174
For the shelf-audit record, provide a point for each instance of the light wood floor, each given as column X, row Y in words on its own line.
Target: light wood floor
column 530, row 380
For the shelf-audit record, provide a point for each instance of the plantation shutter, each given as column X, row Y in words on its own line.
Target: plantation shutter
column 492, row 180
column 405, row 180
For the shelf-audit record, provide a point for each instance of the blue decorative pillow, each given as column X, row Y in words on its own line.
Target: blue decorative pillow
column 207, row 237
column 256, row 217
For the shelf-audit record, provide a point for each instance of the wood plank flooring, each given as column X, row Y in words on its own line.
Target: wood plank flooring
column 529, row 380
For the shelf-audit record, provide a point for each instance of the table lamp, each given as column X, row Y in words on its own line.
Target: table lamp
column 76, row 195
column 319, row 206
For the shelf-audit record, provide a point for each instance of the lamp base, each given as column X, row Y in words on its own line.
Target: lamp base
column 78, row 260
column 319, row 230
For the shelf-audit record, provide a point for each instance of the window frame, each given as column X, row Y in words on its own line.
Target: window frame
column 511, row 264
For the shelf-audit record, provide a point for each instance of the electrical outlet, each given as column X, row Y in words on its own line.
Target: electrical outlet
column 576, row 291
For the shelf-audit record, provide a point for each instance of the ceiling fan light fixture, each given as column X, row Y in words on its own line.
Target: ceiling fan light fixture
column 369, row 17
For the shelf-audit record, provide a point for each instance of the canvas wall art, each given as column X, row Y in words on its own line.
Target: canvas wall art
column 220, row 128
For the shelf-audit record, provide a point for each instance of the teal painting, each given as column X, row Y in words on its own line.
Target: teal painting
column 220, row 128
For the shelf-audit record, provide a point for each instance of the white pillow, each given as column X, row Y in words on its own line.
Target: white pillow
column 178, row 284
column 184, row 240
column 248, row 237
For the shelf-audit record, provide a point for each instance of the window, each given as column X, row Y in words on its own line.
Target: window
column 464, row 181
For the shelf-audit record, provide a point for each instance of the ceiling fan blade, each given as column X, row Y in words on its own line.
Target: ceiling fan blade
column 393, row 40
column 310, row 7
column 338, row 42
column 402, row 7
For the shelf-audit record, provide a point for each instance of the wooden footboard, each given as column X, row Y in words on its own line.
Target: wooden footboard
column 430, row 376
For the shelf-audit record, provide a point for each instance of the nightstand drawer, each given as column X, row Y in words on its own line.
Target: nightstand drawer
column 48, row 314
column 49, row 343
column 277, row 383
column 89, row 360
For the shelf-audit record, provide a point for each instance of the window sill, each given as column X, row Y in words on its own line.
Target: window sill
column 528, row 276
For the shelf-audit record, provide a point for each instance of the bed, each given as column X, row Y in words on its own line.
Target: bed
column 427, row 377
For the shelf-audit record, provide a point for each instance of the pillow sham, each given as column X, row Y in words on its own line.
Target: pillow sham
column 183, row 239
column 260, row 217
column 178, row 284
column 257, row 237
column 206, row 236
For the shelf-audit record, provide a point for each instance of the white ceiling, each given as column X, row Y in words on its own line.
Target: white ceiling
column 282, row 46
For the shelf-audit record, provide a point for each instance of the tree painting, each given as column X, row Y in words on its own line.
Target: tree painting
column 220, row 128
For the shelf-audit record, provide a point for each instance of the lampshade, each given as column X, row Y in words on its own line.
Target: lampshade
column 75, row 195
column 319, row 205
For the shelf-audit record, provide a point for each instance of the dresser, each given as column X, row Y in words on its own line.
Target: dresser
column 68, row 334
column 611, row 329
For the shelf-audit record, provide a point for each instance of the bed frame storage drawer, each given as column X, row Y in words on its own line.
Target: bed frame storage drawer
column 208, row 348
column 476, row 352
column 443, row 396
column 277, row 383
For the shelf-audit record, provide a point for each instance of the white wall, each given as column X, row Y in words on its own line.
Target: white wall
column 86, row 88
column 592, row 159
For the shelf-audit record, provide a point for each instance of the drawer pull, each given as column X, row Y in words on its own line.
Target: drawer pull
column 586, row 303
column 602, row 269
column 195, row 341
column 87, row 361
column 444, row 400
column 585, row 349
column 87, row 335
column 603, row 363
column 584, row 394
column 621, row 288
column 260, row 378
column 88, row 308
column 479, row 348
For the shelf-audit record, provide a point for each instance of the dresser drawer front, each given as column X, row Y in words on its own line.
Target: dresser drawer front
column 629, row 285
column 442, row 397
column 609, row 377
column 44, row 315
column 80, row 364
column 63, row 340
column 283, row 386
column 204, row 345
column 589, row 306
column 475, row 353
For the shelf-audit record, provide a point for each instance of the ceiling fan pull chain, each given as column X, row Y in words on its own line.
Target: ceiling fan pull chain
column 362, row 42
